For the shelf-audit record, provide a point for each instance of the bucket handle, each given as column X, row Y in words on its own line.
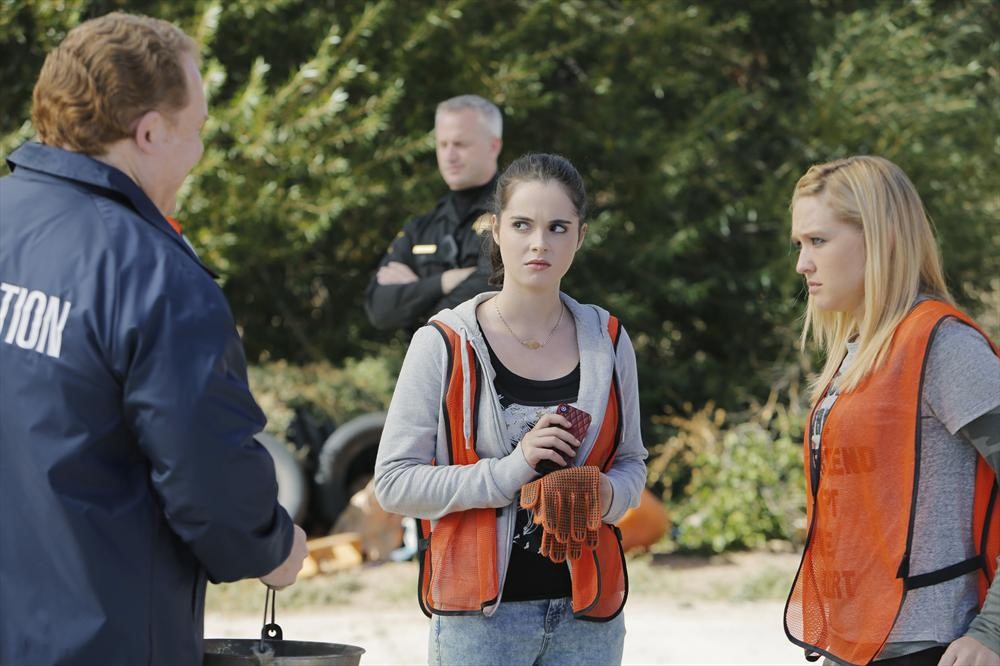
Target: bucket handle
column 271, row 631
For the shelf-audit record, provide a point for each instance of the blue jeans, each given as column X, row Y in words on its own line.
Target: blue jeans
column 526, row 633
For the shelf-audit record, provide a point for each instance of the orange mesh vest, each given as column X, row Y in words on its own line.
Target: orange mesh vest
column 175, row 224
column 458, row 564
column 855, row 568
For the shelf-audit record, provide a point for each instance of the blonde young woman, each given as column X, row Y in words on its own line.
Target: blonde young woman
column 903, row 442
column 478, row 412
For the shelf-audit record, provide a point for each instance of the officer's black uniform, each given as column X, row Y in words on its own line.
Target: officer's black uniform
column 430, row 244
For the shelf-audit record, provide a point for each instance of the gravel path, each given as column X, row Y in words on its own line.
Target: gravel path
column 675, row 614
column 658, row 632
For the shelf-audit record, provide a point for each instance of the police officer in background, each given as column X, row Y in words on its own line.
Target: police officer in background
column 128, row 470
column 435, row 262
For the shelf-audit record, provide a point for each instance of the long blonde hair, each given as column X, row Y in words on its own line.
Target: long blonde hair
column 901, row 261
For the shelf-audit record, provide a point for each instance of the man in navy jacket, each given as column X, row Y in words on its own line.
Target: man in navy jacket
column 128, row 470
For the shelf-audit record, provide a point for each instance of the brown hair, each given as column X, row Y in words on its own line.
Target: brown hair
column 104, row 75
column 534, row 167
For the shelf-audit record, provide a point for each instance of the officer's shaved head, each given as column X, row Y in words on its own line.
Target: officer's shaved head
column 489, row 114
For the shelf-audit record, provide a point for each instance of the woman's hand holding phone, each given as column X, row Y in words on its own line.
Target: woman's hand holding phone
column 573, row 422
column 549, row 442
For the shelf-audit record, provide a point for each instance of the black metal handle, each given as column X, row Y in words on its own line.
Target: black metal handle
column 271, row 631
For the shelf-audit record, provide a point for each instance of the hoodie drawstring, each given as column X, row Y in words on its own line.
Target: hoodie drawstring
column 466, row 391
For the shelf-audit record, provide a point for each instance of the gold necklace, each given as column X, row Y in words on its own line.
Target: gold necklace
column 530, row 344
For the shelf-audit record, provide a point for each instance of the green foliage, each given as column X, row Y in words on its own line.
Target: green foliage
column 919, row 85
column 690, row 121
column 733, row 481
column 359, row 387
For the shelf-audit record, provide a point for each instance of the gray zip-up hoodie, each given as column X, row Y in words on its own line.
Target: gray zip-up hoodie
column 406, row 482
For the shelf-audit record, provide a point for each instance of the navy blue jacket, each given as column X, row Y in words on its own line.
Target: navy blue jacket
column 128, row 469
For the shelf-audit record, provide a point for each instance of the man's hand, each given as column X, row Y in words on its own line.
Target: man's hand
column 287, row 571
column 453, row 277
column 968, row 651
column 395, row 272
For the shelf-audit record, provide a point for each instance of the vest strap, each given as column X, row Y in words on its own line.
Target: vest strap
column 947, row 573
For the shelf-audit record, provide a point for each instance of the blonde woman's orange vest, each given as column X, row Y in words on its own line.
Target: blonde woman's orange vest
column 855, row 569
column 458, row 568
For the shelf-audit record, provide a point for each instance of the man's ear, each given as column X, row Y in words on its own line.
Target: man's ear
column 149, row 131
column 496, row 144
column 495, row 227
column 583, row 232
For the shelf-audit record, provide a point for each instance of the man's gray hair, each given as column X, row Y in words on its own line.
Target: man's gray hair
column 488, row 112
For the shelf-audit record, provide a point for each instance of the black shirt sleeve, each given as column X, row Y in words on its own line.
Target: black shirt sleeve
column 475, row 284
column 401, row 305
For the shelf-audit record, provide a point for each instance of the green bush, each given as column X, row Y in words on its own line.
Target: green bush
column 689, row 121
column 341, row 393
column 733, row 481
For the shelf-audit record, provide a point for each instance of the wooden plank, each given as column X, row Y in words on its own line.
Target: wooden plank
column 332, row 553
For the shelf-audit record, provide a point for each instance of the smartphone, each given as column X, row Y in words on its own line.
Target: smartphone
column 579, row 423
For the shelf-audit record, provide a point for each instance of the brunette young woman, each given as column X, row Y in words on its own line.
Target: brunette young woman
column 479, row 409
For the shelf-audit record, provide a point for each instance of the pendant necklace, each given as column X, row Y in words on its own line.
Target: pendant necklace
column 530, row 344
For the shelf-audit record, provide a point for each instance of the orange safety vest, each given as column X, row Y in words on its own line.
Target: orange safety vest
column 855, row 569
column 458, row 567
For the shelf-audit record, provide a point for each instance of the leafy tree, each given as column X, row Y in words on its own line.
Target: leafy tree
column 689, row 121
column 918, row 85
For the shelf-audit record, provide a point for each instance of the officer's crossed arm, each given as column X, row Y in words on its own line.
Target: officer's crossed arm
column 395, row 272
column 398, row 273
column 397, row 297
column 472, row 281
column 453, row 277
column 392, row 300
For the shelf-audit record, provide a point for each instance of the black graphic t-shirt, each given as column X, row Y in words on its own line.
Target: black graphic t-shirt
column 531, row 576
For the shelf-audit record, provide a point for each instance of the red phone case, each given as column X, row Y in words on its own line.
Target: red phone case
column 579, row 420
column 579, row 423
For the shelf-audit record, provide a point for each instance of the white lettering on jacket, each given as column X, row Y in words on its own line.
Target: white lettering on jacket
column 36, row 319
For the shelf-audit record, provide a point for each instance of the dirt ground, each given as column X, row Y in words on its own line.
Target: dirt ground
column 681, row 610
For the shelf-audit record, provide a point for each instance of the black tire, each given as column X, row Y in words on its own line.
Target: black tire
column 346, row 459
column 293, row 493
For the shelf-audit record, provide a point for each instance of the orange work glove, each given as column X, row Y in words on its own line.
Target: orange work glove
column 567, row 504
